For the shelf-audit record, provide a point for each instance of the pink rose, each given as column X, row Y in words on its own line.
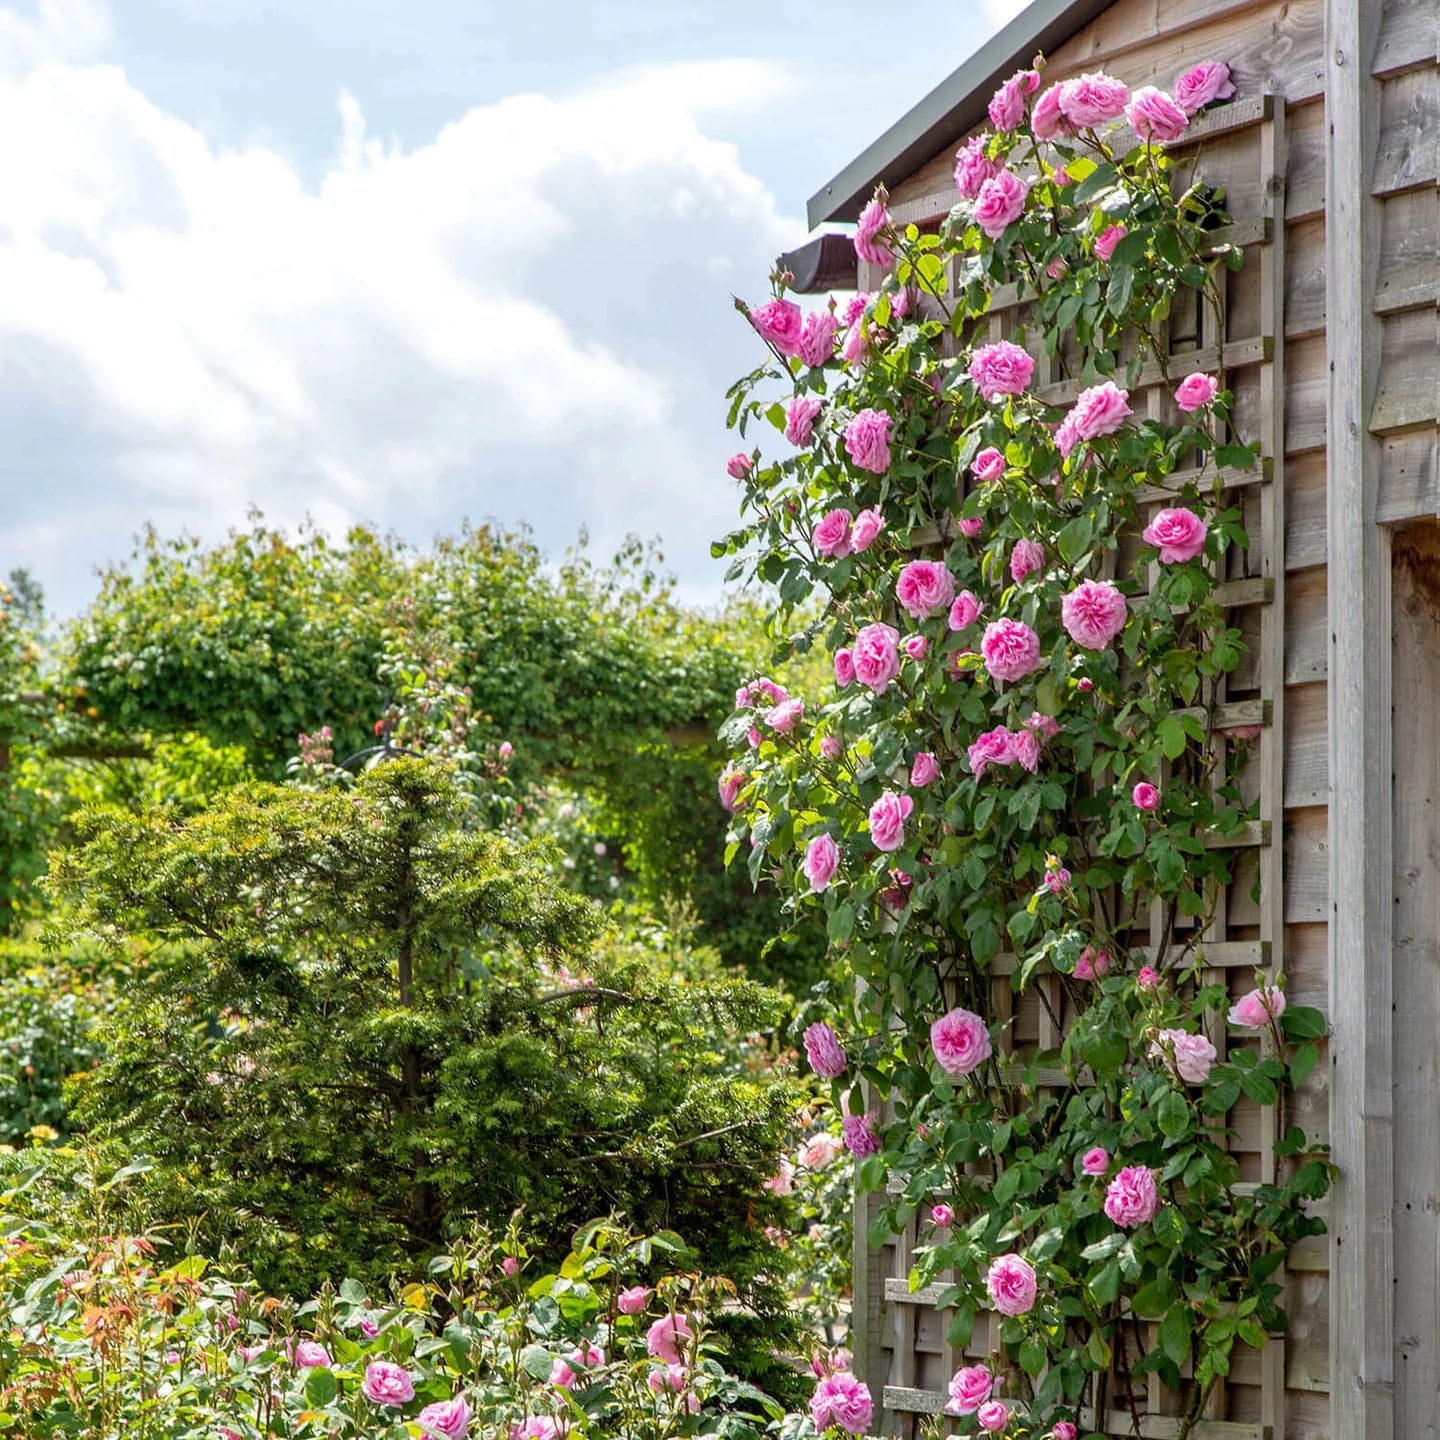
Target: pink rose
column 1066, row 437
column 856, row 305
column 960, row 1041
column 1026, row 558
column 1178, row 534
column 817, row 337
column 665, row 1338
column 1147, row 978
column 784, row 717
column 800, row 416
column 832, row 534
column 924, row 586
column 510, row 1265
column 1007, row 106
column 632, row 1301
column 1196, row 391
column 868, row 524
column 1155, row 117
column 820, row 1151
column 868, row 246
column 971, row 526
column 831, row 749
column 840, row 1399
column 1255, row 1010
column 1093, row 614
column 1145, row 796
column 860, row 1137
column 824, row 1051
column 1025, row 746
column 969, row 1389
column 993, row 1416
column 1057, row 267
column 845, row 668
column 562, row 1377
column 1095, row 1161
column 994, row 747
column 965, row 611
column 924, row 770
column 537, row 1427
column 386, row 1383
column 1196, row 88
column 309, row 1355
column 942, row 1215
column 754, row 737
column 1084, row 684
column 876, row 656
column 1000, row 202
column 782, row 1182
column 1063, row 1430
column 1193, row 1055
column 867, row 442
column 1131, row 1197
column 1011, row 650
column 887, row 820
column 857, row 344
column 1091, row 100
column 989, row 464
column 1093, row 964
column 1108, row 239
column 973, row 167
column 1048, row 120
column 1057, row 877
column 917, row 647
column 1003, row 368
column 822, row 860
column 739, row 465
column 1100, row 410
column 1044, row 725
column 1011, row 1283
column 779, row 323
column 445, row 1420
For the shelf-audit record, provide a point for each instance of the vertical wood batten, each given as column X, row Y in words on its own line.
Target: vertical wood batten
column 1360, row 752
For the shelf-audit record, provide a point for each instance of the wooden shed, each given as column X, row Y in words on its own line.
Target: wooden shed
column 1329, row 157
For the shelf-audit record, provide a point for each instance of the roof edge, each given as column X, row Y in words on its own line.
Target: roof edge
column 952, row 108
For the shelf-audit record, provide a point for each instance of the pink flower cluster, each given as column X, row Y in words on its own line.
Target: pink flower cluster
column 867, row 441
column 970, row 1388
column 1178, row 534
column 1188, row 1056
column 1131, row 1198
column 924, row 586
column 1255, row 1010
column 1007, row 106
column 800, row 416
column 1093, row 614
column 1011, row 650
column 887, row 820
column 1012, row 1285
column 973, row 167
column 960, row 1041
column 1001, row 369
column 824, row 1051
column 873, row 222
column 840, row 1399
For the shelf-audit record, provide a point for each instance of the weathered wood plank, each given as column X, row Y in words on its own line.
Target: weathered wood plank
column 1408, row 392
column 1409, row 476
column 1409, row 149
column 1407, row 37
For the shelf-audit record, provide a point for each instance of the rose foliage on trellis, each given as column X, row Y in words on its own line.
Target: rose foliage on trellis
column 1022, row 756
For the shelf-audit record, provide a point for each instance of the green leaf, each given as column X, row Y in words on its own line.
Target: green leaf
column 1259, row 1087
column 1302, row 1063
column 1175, row 1333
column 841, row 924
column 1300, row 1022
column 1173, row 1115
column 321, row 1387
column 537, row 1361
column 1074, row 539
column 1033, row 1357
column 1105, row 1284
column 1122, row 283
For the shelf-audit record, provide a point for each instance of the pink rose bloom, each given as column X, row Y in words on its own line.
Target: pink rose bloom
column 960, row 1041
column 973, row 167
column 868, row 246
column 226, row 1433
column 1255, row 1010
column 1242, row 732
column 856, row 305
column 510, row 1265
column 868, row 524
column 924, row 586
column 1093, row 614
column 1066, row 436
column 840, row 1399
column 1194, row 1055
column 562, row 1377
column 1091, row 100
column 887, row 820
column 786, row 716
column 993, row 1416
column 857, row 344
column 779, row 323
column 1047, row 119
column 965, row 611
column 800, row 416
column 1178, row 534
column 924, row 770
column 675, row 1380
column 445, row 1420
column 739, row 465
column 754, row 737
column 537, row 1427
column 1093, row 964
column 845, row 668
column 917, row 647
column 822, row 860
column 969, row 1389
column 633, row 1300
column 1026, row 558
column 1131, row 1197
column 1155, row 117
column 771, row 691
column 994, row 747
column 1062, row 176
column 782, row 1182
column 1208, row 81
column 1011, row 1283
column 249, row 1352
column 1057, row 267
column 1108, row 239
column 386, row 1383
column 824, row 1051
column 1096, row 1161
column 832, row 534
column 830, row 748
column 989, row 464
column 876, row 656
column 942, row 1215
column 1025, row 746
column 1000, row 203
column 860, row 1137
column 1100, row 410
column 1007, row 106
column 1011, row 650
column 1196, row 391
column 1003, row 368
column 1045, row 725
column 867, row 442
column 1148, row 978
column 310, row 1354
column 1063, row 1430
column 971, row 526
column 1145, row 796
column 820, row 1151
column 1084, row 684
column 1058, row 878
column 666, row 1336
column 817, row 337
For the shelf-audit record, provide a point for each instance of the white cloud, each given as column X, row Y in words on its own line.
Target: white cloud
column 526, row 317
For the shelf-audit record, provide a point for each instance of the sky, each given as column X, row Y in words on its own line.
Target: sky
column 354, row 261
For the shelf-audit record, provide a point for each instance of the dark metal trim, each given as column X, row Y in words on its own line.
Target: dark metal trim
column 827, row 263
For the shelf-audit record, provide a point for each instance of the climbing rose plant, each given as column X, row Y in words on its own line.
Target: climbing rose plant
column 1021, row 760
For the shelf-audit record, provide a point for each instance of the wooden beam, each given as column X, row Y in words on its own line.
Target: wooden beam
column 827, row 263
column 1362, row 1268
